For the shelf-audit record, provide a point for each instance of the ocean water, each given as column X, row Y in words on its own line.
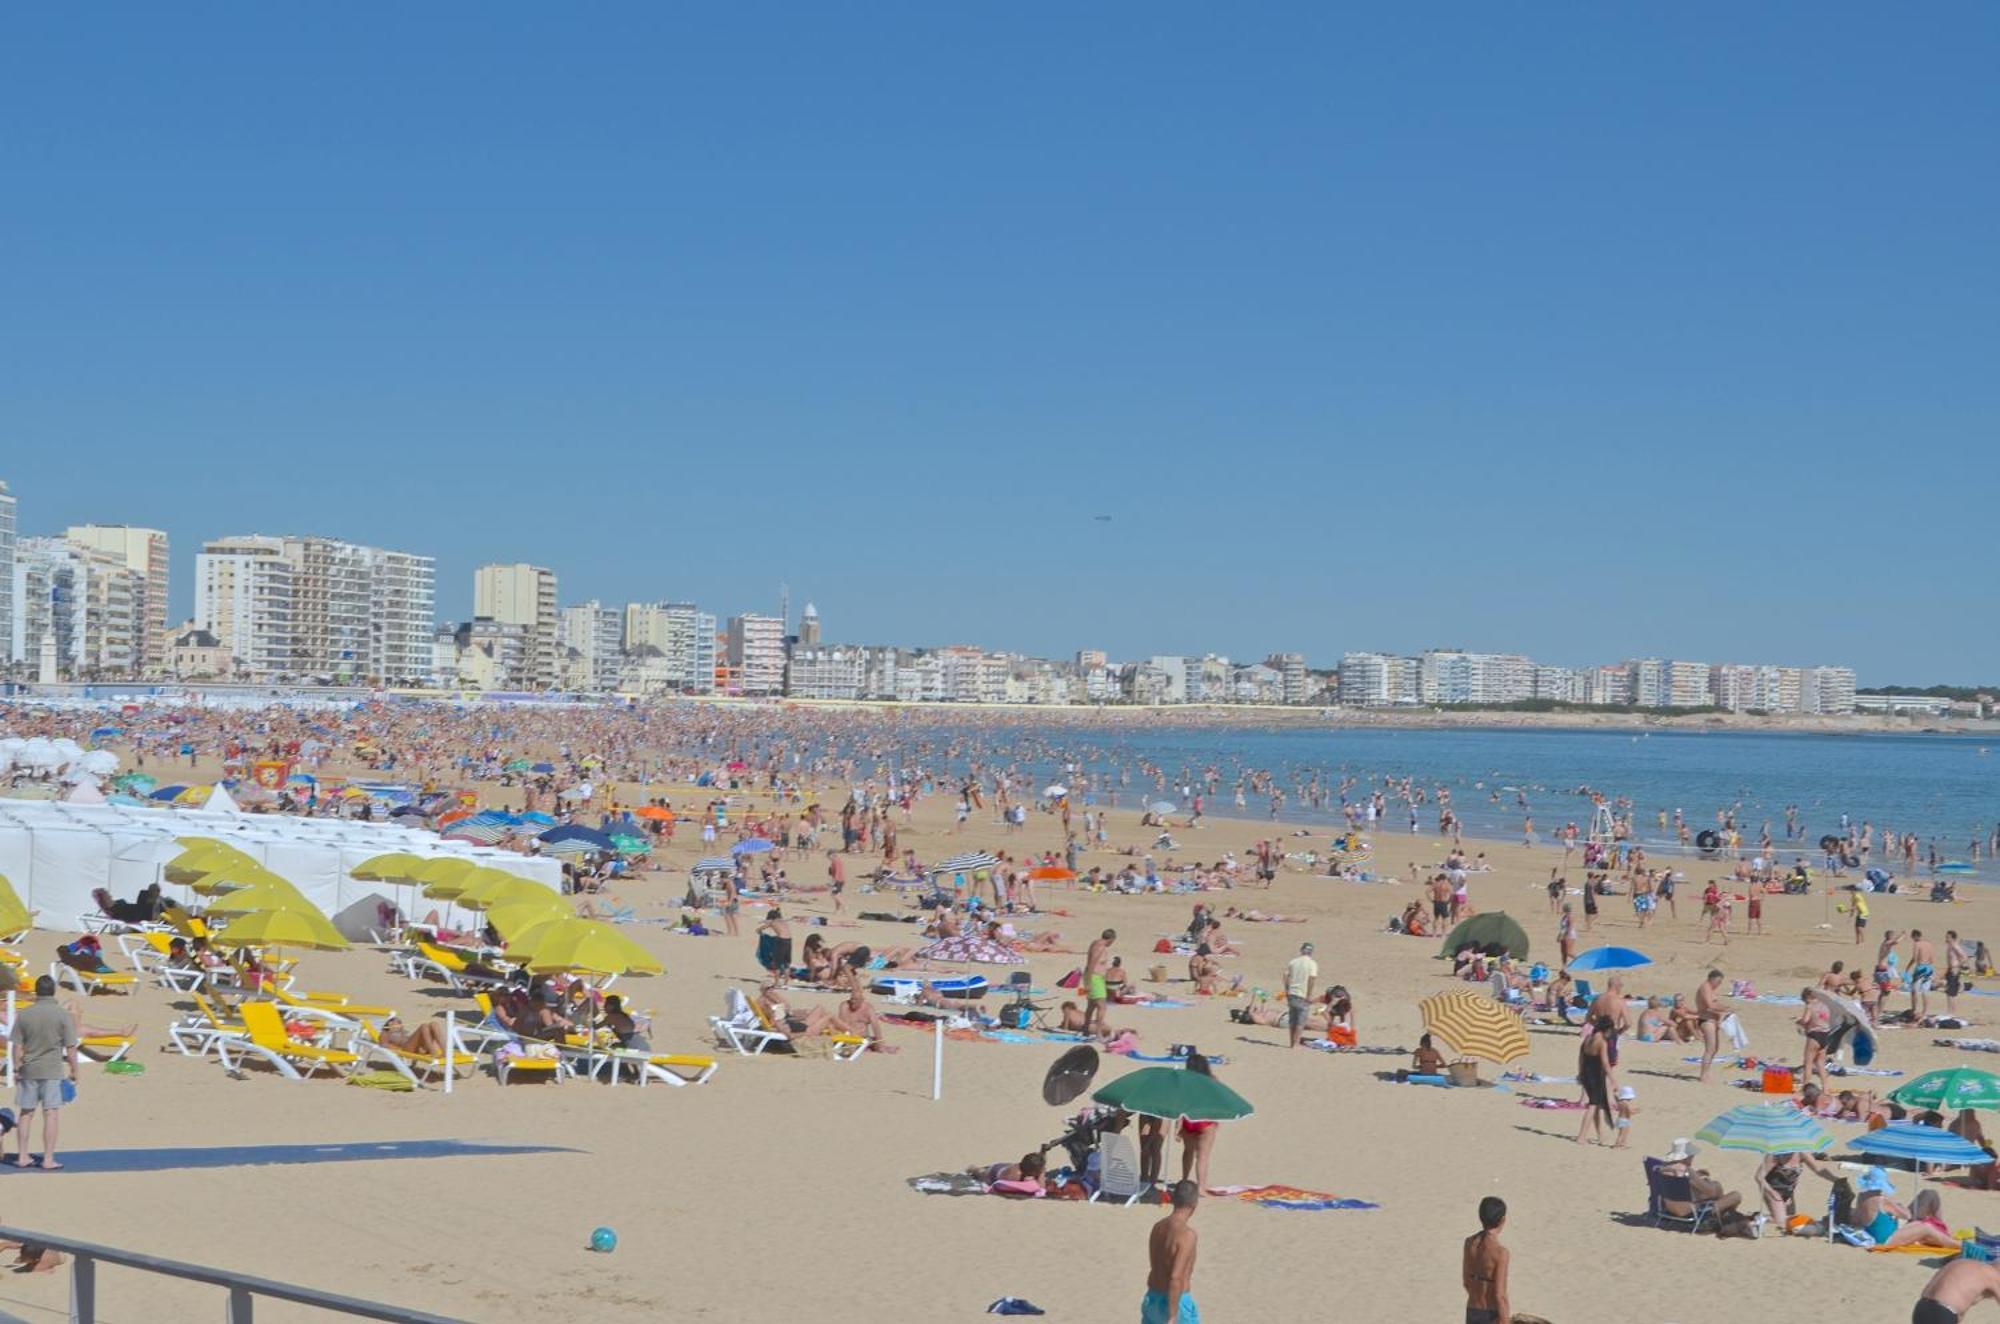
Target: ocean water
column 1943, row 788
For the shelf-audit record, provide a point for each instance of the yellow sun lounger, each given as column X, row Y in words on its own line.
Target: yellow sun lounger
column 410, row 1064
column 268, row 1039
column 93, row 981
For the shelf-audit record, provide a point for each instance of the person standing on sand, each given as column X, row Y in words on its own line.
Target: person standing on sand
column 1094, row 988
column 1566, row 935
column 1483, row 1270
column 1170, row 1252
column 1301, row 973
column 42, row 1051
column 1956, row 1288
column 836, row 875
column 1708, row 1012
column 1860, row 918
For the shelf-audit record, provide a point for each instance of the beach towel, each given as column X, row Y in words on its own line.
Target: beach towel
column 1836, row 1069
column 1289, row 1197
column 1537, row 1078
column 1969, row 1045
column 1781, row 999
column 1559, row 1105
column 1939, row 1251
column 1360, row 1050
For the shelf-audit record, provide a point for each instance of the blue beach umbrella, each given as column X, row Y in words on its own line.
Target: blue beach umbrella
column 1763, row 1128
column 1921, row 1144
column 751, row 846
column 1610, row 958
column 573, row 840
column 543, row 767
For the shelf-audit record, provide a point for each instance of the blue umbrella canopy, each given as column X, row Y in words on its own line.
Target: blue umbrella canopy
column 543, row 767
column 589, row 836
column 1610, row 958
column 751, row 846
column 1920, row 1143
column 1763, row 1128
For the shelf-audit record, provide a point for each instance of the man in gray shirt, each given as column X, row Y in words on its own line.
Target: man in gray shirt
column 43, row 1052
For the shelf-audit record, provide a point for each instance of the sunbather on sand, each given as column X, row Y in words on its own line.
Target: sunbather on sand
column 1259, row 917
column 427, row 1038
column 807, row 1023
column 89, row 1031
column 1070, row 1018
column 1275, row 1014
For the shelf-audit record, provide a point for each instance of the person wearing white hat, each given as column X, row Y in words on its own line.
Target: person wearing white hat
column 1679, row 1162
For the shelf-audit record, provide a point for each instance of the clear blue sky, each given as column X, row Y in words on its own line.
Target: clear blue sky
column 1584, row 330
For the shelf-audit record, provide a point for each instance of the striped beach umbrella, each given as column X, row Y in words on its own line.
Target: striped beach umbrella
column 1765, row 1128
column 1475, row 1026
column 1923, row 1144
column 1950, row 1090
column 717, row 865
column 968, row 862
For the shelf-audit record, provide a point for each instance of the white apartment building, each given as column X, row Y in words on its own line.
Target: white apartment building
column 592, row 638
column 1830, row 690
column 1380, row 680
column 827, row 671
column 243, row 596
column 8, row 599
column 402, row 617
column 1735, row 687
column 332, row 609
column 685, row 636
column 523, row 595
column 1687, row 685
column 757, row 653
column 80, row 612
column 145, row 552
column 1291, row 669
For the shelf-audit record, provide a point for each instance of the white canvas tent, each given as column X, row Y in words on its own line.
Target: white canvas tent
column 56, row 853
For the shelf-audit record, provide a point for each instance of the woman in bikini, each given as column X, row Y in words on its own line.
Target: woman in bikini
column 1197, row 1138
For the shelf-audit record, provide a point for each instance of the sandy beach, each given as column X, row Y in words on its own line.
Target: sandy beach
column 780, row 1188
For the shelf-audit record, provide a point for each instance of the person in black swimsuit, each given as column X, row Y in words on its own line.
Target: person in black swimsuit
column 1483, row 1271
column 1593, row 1073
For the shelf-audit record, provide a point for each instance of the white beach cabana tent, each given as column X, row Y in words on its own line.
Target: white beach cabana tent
column 56, row 853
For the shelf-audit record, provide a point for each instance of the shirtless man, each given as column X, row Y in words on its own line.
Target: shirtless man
column 1170, row 1251
column 1956, row 1289
column 1923, row 970
column 1708, row 1011
column 1094, row 989
column 1834, row 977
column 1955, row 966
column 1441, row 902
column 1484, row 1267
column 856, row 1016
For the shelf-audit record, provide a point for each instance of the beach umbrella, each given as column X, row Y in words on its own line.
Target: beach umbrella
column 713, row 864
column 138, row 783
column 543, row 767
column 536, row 816
column 1069, row 1076
column 166, row 792
column 751, row 846
column 513, row 918
column 446, row 876
column 192, row 796
column 654, row 812
column 1485, row 930
column 590, row 838
column 968, row 862
column 1609, row 958
column 1171, row 1092
column 1475, row 1026
column 1920, row 1144
column 1054, row 792
column 1950, row 1090
column 1764, row 1128
column 233, row 877
column 1051, row 873
column 583, row 946
column 391, row 867
column 1162, row 807
column 482, row 832
column 198, row 861
column 283, row 928
column 494, row 886
column 275, row 895
column 516, row 765
column 628, row 844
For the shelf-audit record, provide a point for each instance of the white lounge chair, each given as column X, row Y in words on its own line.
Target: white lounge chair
column 1118, row 1170
column 741, row 1028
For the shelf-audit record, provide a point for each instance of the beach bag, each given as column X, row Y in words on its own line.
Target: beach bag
column 1462, row 1073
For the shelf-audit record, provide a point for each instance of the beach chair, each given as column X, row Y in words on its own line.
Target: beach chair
column 431, row 1065
column 148, row 950
column 602, row 1054
column 266, row 1038
column 1118, row 1170
column 741, row 1027
column 448, row 966
column 336, row 1003
column 1662, row 1187
column 92, row 981
column 506, row 1066
column 199, row 1030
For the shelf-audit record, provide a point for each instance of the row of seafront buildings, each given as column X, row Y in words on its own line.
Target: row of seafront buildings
column 1444, row 677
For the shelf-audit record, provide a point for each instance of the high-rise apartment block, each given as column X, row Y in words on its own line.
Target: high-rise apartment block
column 523, row 595
column 145, row 552
column 79, row 615
column 756, row 653
column 592, row 636
column 7, row 605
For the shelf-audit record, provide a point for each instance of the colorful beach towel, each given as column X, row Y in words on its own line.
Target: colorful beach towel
column 1288, row 1197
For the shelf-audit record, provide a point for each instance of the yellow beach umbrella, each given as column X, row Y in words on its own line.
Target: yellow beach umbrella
column 234, row 877
column 583, row 946
column 275, row 895
column 513, row 919
column 394, row 867
column 282, row 928
column 14, row 914
column 1475, row 1026
column 198, row 860
column 494, row 886
column 446, row 876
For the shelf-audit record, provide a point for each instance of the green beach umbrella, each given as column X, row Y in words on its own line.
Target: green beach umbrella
column 1174, row 1092
column 1950, row 1090
column 1764, row 1128
column 1495, row 926
column 628, row 844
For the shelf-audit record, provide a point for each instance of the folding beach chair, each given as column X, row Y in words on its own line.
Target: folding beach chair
column 1118, row 1170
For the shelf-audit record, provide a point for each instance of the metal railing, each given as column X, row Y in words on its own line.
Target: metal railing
column 243, row 1289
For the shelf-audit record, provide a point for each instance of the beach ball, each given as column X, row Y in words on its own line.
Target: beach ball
column 603, row 1240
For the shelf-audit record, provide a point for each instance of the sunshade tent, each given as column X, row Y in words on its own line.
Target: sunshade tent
column 584, row 946
column 1172, row 1092
column 1610, row 958
column 1763, row 1128
column 1951, row 1090
column 1921, row 1144
column 1486, row 930
column 1475, row 1026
